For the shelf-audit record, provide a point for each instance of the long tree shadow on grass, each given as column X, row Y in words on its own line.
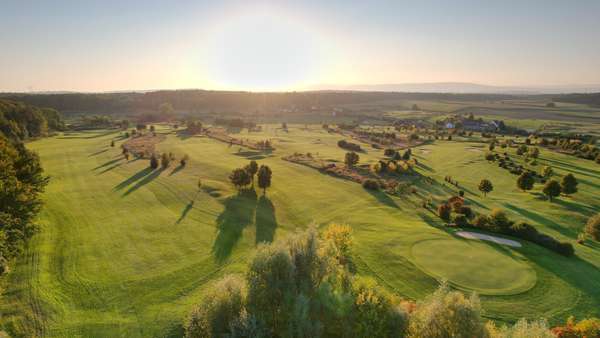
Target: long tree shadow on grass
column 265, row 220
column 238, row 213
column 537, row 218
column 109, row 162
column 384, row 198
column 185, row 211
column 137, row 176
column 142, row 182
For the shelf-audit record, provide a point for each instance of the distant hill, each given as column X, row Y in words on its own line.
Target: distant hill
column 465, row 87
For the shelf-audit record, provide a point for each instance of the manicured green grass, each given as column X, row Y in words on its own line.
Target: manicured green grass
column 471, row 265
column 126, row 251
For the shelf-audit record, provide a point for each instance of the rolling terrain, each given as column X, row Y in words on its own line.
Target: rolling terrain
column 124, row 250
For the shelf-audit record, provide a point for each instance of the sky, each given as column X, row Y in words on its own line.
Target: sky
column 111, row 45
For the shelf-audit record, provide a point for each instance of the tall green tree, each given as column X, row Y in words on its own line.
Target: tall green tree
column 525, row 181
column 264, row 178
column 252, row 169
column 551, row 189
column 21, row 182
column 568, row 184
column 486, row 186
column 239, row 178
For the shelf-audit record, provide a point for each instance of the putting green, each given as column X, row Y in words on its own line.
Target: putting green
column 472, row 265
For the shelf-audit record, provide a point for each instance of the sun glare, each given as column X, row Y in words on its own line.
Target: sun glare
column 262, row 52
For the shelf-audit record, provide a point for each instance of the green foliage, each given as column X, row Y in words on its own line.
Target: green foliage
column 21, row 182
column 240, row 178
column 568, row 185
column 522, row 329
column 264, row 177
column 447, row 313
column 552, row 189
column 592, row 227
column 376, row 316
column 525, row 181
column 485, row 186
column 251, row 168
column 547, row 171
column 351, row 159
column 19, row 121
column 220, row 308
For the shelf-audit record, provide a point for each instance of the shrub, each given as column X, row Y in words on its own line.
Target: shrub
column 490, row 156
column 341, row 237
column 460, row 220
column 447, row 314
column 221, row 306
column 349, row 145
column 522, row 329
column 481, row 221
column 592, row 227
column 523, row 230
column 444, row 211
column 499, row 219
column 370, row 184
column 375, row 315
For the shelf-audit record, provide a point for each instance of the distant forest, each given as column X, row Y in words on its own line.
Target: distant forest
column 223, row 101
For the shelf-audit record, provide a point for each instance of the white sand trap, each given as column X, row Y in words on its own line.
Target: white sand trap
column 497, row 240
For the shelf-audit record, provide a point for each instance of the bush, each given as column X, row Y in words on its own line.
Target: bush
column 447, row 314
column 222, row 306
column 444, row 211
column 522, row 329
column 370, row 184
column 499, row 219
column 349, row 145
column 523, row 230
column 460, row 220
column 592, row 227
column 481, row 221
column 374, row 314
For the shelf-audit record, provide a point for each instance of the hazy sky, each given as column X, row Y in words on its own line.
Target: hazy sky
column 278, row 45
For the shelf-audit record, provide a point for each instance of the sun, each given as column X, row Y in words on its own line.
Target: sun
column 258, row 52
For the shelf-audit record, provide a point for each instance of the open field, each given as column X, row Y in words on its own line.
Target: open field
column 127, row 251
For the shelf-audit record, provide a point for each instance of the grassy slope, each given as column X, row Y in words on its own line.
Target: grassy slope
column 126, row 252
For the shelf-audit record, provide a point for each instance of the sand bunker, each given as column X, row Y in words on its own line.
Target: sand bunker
column 497, row 240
